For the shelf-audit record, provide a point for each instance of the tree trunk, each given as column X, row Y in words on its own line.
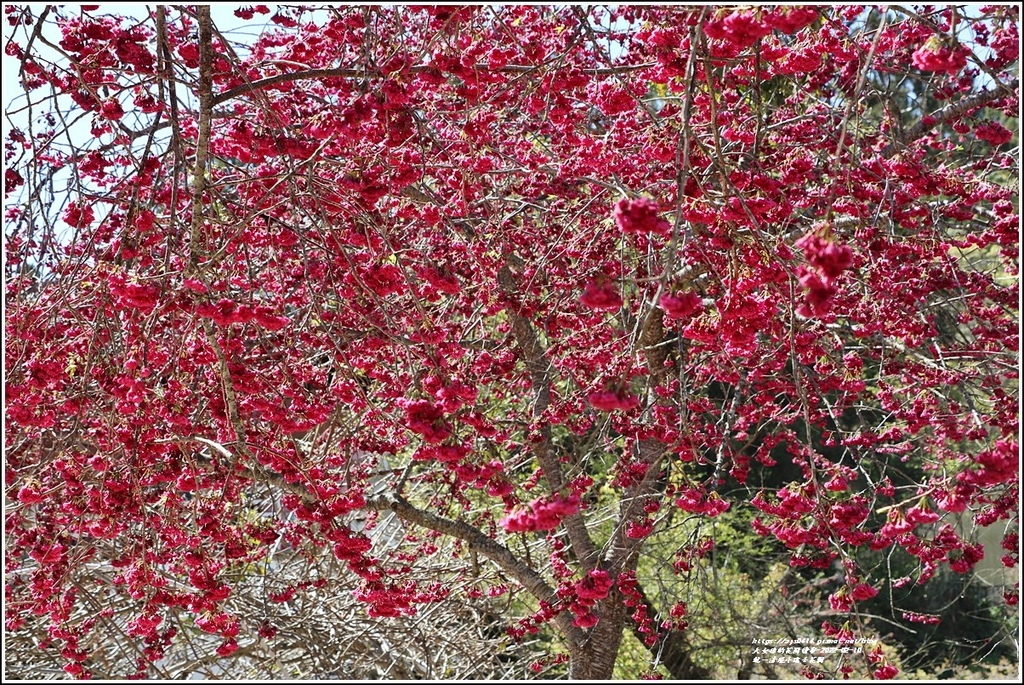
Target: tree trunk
column 595, row 658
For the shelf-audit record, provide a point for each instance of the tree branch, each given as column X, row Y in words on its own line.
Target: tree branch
column 621, row 551
column 540, row 376
column 952, row 111
column 203, row 142
column 671, row 650
column 256, row 472
column 480, row 543
column 346, row 72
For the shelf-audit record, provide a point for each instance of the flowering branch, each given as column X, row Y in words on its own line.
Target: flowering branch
column 478, row 542
column 540, row 374
column 360, row 73
column 949, row 112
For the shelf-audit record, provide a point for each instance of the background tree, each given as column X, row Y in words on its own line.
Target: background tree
column 549, row 289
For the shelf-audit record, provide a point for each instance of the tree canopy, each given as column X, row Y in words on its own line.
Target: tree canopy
column 547, row 312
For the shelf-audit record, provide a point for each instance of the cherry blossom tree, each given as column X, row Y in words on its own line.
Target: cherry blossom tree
column 491, row 301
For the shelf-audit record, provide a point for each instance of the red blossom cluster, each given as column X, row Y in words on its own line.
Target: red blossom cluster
column 993, row 133
column 531, row 624
column 640, row 216
column 915, row 617
column 844, row 598
column 936, row 55
column 680, row 306
column 999, row 464
column 225, row 312
column 619, row 398
column 690, row 555
column 426, row 419
column 601, row 297
column 1006, row 44
column 633, row 599
column 78, row 215
column 387, row 600
column 791, row 19
column 583, row 594
column 541, row 514
column 696, row 502
column 741, row 28
column 1011, row 543
column 249, row 11
column 829, row 261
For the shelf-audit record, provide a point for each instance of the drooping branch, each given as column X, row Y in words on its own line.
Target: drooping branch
column 476, row 539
